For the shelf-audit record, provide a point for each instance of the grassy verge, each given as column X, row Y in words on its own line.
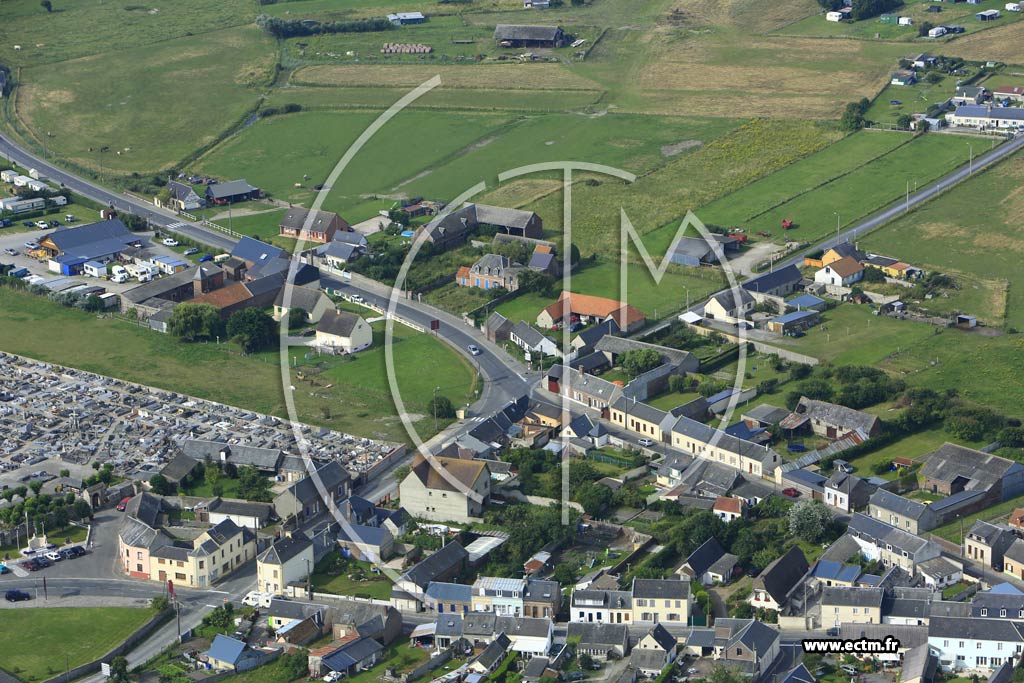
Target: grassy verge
column 45, row 637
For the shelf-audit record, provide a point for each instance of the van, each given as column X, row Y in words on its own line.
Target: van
column 221, row 258
column 257, row 599
column 118, row 269
column 119, row 278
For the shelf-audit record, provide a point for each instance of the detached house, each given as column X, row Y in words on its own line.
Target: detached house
column 661, row 600
column 842, row 273
column 446, row 489
column 344, row 332
column 491, row 271
column 303, row 499
column 709, row 564
column 746, row 644
column 656, row 650
column 311, row 225
column 773, row 586
column 182, row 197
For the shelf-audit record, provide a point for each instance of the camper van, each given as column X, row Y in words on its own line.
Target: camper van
column 221, row 258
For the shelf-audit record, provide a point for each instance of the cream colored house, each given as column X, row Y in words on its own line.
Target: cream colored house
column 314, row 302
column 446, row 489
column 702, row 441
column 217, row 552
column 638, row 417
column 286, row 561
column 657, row 601
column 343, row 331
column 841, row 605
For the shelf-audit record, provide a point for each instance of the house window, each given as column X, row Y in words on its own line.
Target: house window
column 138, row 567
column 138, row 555
column 202, row 564
column 984, row 611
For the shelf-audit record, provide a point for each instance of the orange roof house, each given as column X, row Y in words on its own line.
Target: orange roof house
column 596, row 308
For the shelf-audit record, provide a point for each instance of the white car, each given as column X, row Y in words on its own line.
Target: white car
column 31, row 245
column 170, row 242
column 644, row 441
column 474, row 349
column 333, row 676
column 11, row 252
column 356, row 298
column 54, row 556
column 42, row 225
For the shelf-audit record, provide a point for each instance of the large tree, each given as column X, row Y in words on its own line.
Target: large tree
column 252, row 329
column 810, row 520
column 195, row 322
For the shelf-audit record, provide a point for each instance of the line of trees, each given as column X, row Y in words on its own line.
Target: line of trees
column 291, row 28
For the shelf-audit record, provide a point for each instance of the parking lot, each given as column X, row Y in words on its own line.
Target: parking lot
column 16, row 241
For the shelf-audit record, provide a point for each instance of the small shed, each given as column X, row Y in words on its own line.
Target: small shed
column 966, row 321
column 987, row 15
column 834, row 16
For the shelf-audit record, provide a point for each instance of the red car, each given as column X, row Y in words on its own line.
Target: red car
column 792, row 493
column 123, row 504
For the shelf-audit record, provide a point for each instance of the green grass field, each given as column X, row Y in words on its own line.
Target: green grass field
column 156, row 112
column 358, row 403
column 995, row 514
column 375, row 586
column 437, row 154
column 913, row 446
column 850, row 335
column 975, row 230
column 45, row 637
column 913, row 99
column 853, row 178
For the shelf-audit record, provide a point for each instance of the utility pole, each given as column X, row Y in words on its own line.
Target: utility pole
column 837, row 224
column 436, row 389
column 970, row 159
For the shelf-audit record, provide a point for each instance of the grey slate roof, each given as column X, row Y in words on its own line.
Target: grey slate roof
column 338, row 323
column 982, row 470
column 514, row 32
column 639, row 410
column 701, row 559
column 145, row 507
column 770, row 281
column 597, row 634
column 832, row 413
column 852, row 597
column 661, row 589
column 449, row 592
column 284, row 549
column 305, row 298
column 229, row 189
column 766, row 413
column 503, row 217
column 976, row 629
column 436, row 564
column 905, row 507
column 783, row 574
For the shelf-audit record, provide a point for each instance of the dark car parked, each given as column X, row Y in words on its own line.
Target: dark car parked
column 17, row 596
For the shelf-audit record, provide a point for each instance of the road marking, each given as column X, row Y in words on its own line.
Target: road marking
column 221, row 592
column 213, row 606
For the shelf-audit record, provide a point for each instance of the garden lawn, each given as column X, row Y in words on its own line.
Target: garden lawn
column 74, row 534
column 849, row 334
column 43, row 637
column 204, row 489
column 913, row 446
column 378, row 586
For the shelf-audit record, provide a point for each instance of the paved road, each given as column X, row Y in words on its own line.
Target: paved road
column 157, row 217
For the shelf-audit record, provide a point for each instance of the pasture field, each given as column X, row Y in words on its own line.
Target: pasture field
column 145, row 117
column 1000, row 43
column 81, row 633
column 452, row 39
column 379, row 99
column 442, row 153
column 277, row 152
column 850, row 335
column 974, row 229
column 330, row 10
column 656, row 300
column 873, row 29
column 865, row 189
column 747, row 205
column 40, row 329
column 77, row 28
column 512, row 77
column 660, row 200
